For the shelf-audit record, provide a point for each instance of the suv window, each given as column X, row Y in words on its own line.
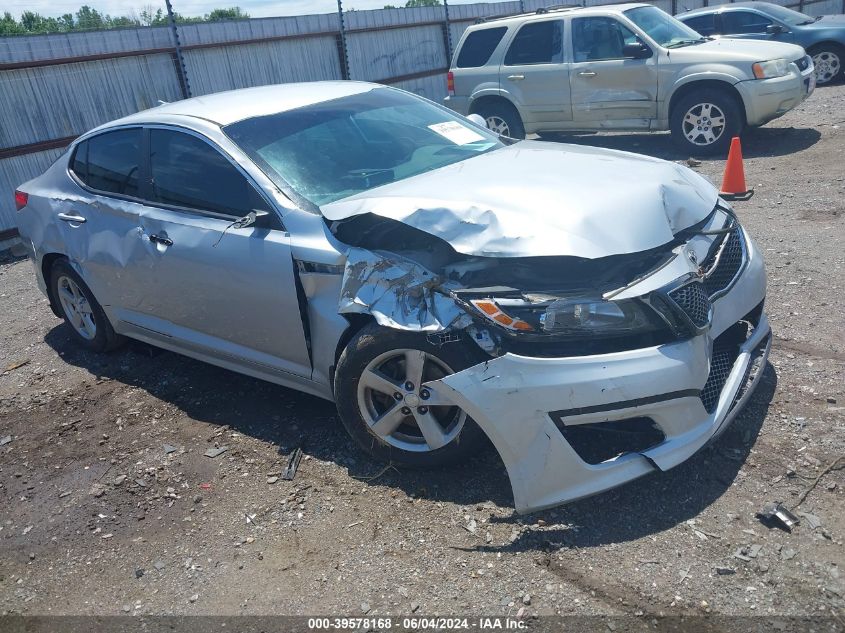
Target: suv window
column 478, row 47
column 703, row 24
column 600, row 38
column 537, row 43
column 109, row 161
column 736, row 22
column 188, row 172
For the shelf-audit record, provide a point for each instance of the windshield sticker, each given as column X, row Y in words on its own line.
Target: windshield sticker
column 455, row 132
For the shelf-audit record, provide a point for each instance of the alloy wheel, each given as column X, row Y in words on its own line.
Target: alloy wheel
column 399, row 409
column 498, row 125
column 76, row 308
column 827, row 66
column 704, row 124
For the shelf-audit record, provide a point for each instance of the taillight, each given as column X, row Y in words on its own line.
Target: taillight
column 21, row 199
column 450, row 83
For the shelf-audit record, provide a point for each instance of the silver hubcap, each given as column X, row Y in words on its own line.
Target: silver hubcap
column 704, row 124
column 76, row 308
column 498, row 125
column 399, row 409
column 827, row 66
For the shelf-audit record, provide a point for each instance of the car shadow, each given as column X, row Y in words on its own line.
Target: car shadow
column 288, row 419
column 756, row 142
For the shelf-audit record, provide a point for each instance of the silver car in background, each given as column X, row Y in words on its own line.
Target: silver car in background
column 438, row 283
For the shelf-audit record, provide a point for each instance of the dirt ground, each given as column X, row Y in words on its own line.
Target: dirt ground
column 108, row 505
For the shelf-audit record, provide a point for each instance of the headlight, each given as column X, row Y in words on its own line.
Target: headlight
column 571, row 316
column 770, row 69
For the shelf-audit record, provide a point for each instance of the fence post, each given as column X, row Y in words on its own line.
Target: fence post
column 522, row 6
column 448, row 33
column 674, row 7
column 344, row 52
column 179, row 61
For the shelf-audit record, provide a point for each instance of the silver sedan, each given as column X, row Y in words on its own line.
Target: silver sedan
column 597, row 315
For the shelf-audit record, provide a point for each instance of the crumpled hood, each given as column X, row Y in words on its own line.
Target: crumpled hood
column 537, row 199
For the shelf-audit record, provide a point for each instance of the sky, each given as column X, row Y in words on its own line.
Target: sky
column 255, row 8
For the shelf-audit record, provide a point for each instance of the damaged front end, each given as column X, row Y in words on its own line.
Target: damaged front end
column 600, row 370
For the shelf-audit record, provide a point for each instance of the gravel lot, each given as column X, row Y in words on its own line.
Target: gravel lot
column 108, row 505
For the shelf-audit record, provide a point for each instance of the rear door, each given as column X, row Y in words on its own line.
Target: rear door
column 205, row 284
column 609, row 89
column 535, row 75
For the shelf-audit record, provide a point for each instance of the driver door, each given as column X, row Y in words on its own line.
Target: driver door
column 206, row 286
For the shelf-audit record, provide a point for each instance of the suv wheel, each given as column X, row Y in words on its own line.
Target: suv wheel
column 79, row 308
column 384, row 407
column 828, row 60
column 502, row 119
column 704, row 122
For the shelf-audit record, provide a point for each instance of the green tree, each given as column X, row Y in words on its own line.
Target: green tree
column 88, row 18
column 9, row 25
column 422, row 3
column 232, row 13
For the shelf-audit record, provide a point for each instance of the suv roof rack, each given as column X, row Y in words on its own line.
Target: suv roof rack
column 558, row 7
column 540, row 11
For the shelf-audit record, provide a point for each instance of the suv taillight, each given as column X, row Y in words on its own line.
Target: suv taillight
column 21, row 199
column 450, row 83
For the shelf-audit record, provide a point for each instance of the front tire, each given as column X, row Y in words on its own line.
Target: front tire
column 704, row 122
column 384, row 407
column 829, row 62
column 80, row 310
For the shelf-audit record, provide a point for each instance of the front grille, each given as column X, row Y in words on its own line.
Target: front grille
column 803, row 63
column 722, row 266
column 721, row 362
column 599, row 442
column 693, row 300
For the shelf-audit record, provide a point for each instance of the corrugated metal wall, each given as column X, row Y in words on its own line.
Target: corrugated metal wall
column 48, row 94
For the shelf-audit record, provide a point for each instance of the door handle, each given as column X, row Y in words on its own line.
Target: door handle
column 72, row 218
column 587, row 73
column 516, row 77
column 159, row 239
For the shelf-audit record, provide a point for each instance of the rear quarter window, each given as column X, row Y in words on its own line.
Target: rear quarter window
column 479, row 46
column 109, row 162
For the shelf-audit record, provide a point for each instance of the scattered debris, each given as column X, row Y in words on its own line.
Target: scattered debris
column 119, row 480
column 194, row 598
column 725, row 571
column 16, row 365
column 141, row 482
column 354, row 524
column 139, row 573
column 742, row 554
column 692, row 162
column 205, row 486
column 5, row 440
column 97, row 490
column 169, row 448
column 293, row 464
column 365, row 607
column 834, row 465
column 216, row 452
column 272, row 479
column 754, row 550
column 775, row 515
column 787, row 553
column 811, row 519
column 159, row 565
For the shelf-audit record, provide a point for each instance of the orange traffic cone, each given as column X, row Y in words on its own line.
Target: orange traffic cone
column 733, row 182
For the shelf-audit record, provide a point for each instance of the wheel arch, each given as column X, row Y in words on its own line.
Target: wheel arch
column 488, row 99
column 47, row 262
column 825, row 44
column 707, row 84
column 357, row 322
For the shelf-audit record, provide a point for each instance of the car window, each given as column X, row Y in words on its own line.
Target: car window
column 736, row 22
column 704, row 24
column 334, row 149
column 663, row 28
column 537, row 43
column 109, row 162
column 186, row 171
column 600, row 38
column 478, row 47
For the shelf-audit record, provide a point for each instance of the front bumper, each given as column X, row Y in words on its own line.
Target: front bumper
column 523, row 403
column 767, row 99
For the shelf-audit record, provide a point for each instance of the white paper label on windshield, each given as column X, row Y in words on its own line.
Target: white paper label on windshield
column 455, row 132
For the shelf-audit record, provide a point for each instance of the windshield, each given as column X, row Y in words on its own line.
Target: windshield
column 788, row 15
column 663, row 28
column 338, row 148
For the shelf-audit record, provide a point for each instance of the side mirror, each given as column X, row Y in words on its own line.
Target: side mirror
column 636, row 50
column 479, row 120
column 257, row 218
column 775, row 29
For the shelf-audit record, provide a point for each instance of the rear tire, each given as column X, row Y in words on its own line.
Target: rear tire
column 502, row 118
column 382, row 404
column 703, row 122
column 829, row 61
column 80, row 310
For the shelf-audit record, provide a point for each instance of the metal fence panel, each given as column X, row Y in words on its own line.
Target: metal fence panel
column 379, row 55
column 16, row 171
column 216, row 69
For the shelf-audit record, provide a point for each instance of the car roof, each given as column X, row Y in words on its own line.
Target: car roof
column 552, row 11
column 750, row 4
column 223, row 108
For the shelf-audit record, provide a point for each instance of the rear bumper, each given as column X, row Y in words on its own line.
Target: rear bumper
column 767, row 99
column 523, row 404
